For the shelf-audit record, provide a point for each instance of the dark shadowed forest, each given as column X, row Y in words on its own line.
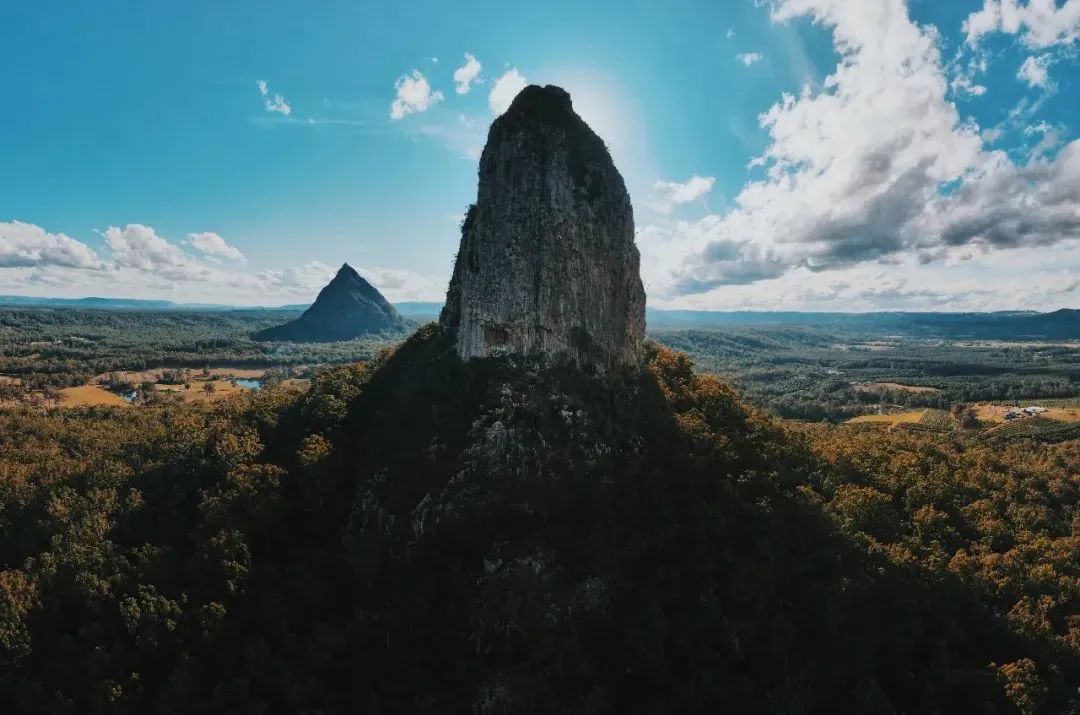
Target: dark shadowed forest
column 648, row 543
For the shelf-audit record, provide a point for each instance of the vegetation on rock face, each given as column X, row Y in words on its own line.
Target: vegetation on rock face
column 418, row 534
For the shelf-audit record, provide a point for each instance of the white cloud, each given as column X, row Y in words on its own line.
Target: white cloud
column 964, row 280
column 749, row 58
column 505, row 89
column 1034, row 71
column 214, row 245
column 855, row 171
column 465, row 75
column 302, row 281
column 273, row 102
column 668, row 194
column 1040, row 23
column 26, row 245
column 139, row 247
column 964, row 76
column 413, row 95
column 144, row 264
column 403, row 285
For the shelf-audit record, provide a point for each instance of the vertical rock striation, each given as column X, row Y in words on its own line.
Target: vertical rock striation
column 547, row 262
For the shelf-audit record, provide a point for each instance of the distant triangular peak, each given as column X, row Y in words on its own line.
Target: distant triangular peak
column 347, row 271
column 547, row 263
column 348, row 307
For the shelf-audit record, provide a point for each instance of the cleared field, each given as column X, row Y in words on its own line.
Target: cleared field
column 197, row 390
column 894, row 386
column 1036, row 428
column 897, row 418
column 1070, row 344
column 995, row 414
column 140, row 376
column 937, row 420
column 874, row 347
column 90, row 395
column 9, row 380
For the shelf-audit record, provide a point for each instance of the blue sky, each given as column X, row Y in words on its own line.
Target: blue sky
column 795, row 154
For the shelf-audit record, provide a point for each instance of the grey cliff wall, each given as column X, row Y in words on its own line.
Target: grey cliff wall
column 547, row 263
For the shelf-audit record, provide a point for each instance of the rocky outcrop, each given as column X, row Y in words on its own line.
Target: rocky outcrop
column 348, row 307
column 547, row 263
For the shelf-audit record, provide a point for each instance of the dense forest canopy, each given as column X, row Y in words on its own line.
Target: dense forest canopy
column 417, row 534
column 805, row 371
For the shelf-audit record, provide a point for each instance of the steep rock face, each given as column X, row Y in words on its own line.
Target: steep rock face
column 547, row 263
column 348, row 307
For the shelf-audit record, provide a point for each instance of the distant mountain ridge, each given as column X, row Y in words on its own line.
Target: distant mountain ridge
column 348, row 307
column 1015, row 324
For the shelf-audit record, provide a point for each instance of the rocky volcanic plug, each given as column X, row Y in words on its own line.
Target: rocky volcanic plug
column 348, row 307
column 547, row 263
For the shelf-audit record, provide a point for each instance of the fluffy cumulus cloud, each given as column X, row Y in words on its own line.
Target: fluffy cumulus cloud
column 749, row 58
column 24, row 245
column 1039, row 23
column 876, row 166
column 304, row 280
column 465, row 75
column 414, row 94
column 140, row 248
column 272, row 102
column 1035, row 71
column 669, row 194
column 213, row 245
column 399, row 285
column 139, row 262
column 1048, row 26
column 505, row 89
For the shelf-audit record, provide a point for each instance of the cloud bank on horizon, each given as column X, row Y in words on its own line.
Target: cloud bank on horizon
column 875, row 187
column 873, row 183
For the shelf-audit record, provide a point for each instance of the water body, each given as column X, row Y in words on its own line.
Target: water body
column 249, row 383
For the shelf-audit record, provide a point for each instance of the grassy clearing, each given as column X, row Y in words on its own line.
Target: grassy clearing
column 1057, row 410
column 1041, row 429
column 937, row 420
column 195, row 391
column 140, row 376
column 891, row 420
column 89, row 396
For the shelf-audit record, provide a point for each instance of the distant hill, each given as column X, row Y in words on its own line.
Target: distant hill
column 91, row 302
column 1061, row 324
column 138, row 304
column 1012, row 325
column 348, row 307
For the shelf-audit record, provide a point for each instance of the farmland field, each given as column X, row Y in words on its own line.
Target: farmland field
column 1034, row 428
column 90, row 396
column 898, row 418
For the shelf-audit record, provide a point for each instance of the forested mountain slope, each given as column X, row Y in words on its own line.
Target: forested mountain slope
column 420, row 534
